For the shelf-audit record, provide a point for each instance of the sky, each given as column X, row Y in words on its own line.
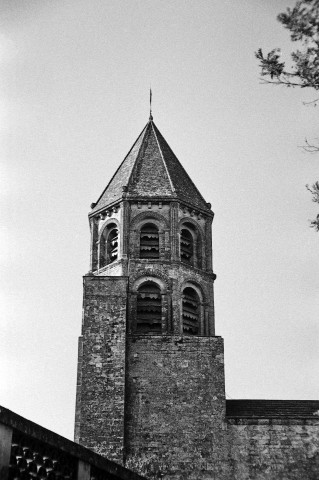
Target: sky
column 75, row 78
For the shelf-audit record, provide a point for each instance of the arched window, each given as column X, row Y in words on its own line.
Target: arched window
column 190, row 245
column 187, row 246
column 149, row 241
column 149, row 309
column 191, row 311
column 109, row 245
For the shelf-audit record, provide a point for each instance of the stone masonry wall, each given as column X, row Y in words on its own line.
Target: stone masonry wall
column 101, row 380
column 175, row 406
column 273, row 449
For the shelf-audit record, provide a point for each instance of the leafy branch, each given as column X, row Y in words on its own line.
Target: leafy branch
column 314, row 190
column 303, row 23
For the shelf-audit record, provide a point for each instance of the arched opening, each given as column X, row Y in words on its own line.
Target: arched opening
column 149, row 308
column 190, row 244
column 187, row 246
column 109, row 245
column 191, row 311
column 149, row 241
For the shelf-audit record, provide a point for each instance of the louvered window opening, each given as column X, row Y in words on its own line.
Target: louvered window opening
column 190, row 312
column 149, row 242
column 33, row 460
column 149, row 309
column 109, row 246
column 112, row 245
column 187, row 246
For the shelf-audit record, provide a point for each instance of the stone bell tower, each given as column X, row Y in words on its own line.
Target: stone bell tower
column 150, row 390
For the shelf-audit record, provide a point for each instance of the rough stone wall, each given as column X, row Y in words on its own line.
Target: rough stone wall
column 101, row 375
column 175, row 407
column 273, row 449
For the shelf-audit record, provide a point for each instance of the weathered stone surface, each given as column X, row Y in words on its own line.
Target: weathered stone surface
column 274, row 449
column 175, row 404
column 101, row 383
column 157, row 402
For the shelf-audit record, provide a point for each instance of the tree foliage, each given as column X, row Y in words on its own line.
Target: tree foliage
column 303, row 23
column 314, row 190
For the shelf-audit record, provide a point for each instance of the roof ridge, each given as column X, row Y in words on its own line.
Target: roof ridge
column 269, row 400
column 158, row 144
column 109, row 183
column 138, row 153
column 193, row 184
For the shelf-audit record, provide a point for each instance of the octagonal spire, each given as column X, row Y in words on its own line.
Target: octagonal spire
column 151, row 170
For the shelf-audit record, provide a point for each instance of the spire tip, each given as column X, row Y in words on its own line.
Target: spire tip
column 151, row 116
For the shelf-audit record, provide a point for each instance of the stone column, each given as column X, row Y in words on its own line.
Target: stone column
column 161, row 244
column 169, row 313
column 167, row 253
column 135, row 244
column 176, row 312
column 208, row 245
column 195, row 252
column 180, row 315
column 77, row 423
column 84, row 471
column 98, row 255
column 5, row 450
column 202, row 329
column 174, row 226
column 210, row 321
column 206, row 322
column 164, row 314
column 132, row 326
column 94, row 248
column 124, row 248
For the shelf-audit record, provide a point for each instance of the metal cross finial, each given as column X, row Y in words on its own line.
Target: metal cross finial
column 151, row 116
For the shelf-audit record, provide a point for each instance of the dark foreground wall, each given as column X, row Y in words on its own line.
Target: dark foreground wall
column 31, row 452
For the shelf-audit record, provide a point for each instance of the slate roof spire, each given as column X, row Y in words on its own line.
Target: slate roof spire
column 151, row 170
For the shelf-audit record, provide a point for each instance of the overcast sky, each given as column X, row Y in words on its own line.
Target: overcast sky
column 75, row 77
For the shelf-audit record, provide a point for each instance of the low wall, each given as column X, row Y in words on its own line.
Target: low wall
column 273, row 440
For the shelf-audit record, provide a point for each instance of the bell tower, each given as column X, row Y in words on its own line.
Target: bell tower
column 150, row 391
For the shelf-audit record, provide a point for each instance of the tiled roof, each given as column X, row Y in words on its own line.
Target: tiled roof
column 272, row 408
column 114, row 189
column 151, row 169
